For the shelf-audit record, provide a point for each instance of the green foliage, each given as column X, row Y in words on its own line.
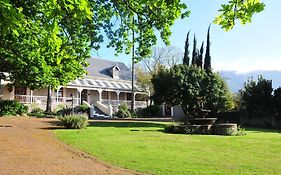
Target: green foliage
column 37, row 112
column 186, row 58
column 152, row 110
column 74, row 121
column 82, row 108
column 65, row 110
column 123, row 111
column 207, row 60
column 191, row 88
column 238, row 10
column 194, row 52
column 277, row 102
column 54, row 38
column 12, row 107
column 58, row 108
column 257, row 97
column 216, row 95
column 240, row 131
column 199, row 61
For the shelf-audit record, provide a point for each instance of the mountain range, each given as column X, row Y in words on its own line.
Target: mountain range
column 235, row 80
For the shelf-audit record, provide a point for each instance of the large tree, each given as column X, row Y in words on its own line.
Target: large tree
column 207, row 60
column 54, row 38
column 186, row 58
column 257, row 97
column 192, row 88
column 199, row 61
column 194, row 52
column 46, row 43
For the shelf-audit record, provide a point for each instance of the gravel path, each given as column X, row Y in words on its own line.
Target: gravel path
column 27, row 146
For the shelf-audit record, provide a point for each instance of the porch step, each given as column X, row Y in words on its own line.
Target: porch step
column 98, row 114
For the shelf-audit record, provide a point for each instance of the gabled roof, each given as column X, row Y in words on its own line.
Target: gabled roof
column 98, row 68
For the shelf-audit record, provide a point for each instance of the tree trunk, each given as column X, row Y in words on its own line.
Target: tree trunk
column 49, row 100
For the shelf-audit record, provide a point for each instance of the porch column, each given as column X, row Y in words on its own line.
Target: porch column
column 12, row 94
column 109, row 96
column 88, row 96
column 79, row 95
column 57, row 96
column 64, row 94
column 134, row 97
column 31, row 96
column 148, row 98
column 100, row 95
column 118, row 93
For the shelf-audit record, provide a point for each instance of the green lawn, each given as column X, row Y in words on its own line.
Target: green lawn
column 145, row 148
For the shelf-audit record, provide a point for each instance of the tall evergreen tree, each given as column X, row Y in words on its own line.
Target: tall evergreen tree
column 199, row 61
column 207, row 61
column 194, row 52
column 186, row 58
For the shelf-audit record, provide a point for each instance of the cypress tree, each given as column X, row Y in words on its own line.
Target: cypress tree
column 186, row 58
column 194, row 53
column 199, row 61
column 207, row 61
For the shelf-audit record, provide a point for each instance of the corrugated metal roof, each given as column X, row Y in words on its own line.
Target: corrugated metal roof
column 103, row 84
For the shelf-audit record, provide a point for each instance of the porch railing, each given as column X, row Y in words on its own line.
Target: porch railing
column 42, row 100
column 115, row 103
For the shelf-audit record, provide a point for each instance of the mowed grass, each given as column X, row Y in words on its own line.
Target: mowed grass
column 145, row 148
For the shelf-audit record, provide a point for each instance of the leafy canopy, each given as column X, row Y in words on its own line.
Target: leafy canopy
column 192, row 88
column 242, row 10
column 46, row 43
column 257, row 97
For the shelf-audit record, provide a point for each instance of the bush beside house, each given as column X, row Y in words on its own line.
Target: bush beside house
column 12, row 108
column 123, row 111
column 74, row 121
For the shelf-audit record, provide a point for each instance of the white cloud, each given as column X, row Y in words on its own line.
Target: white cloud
column 249, row 65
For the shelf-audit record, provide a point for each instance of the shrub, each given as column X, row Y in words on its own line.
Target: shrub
column 59, row 107
column 12, row 107
column 240, row 131
column 257, row 98
column 81, row 108
column 64, row 111
column 123, row 111
column 151, row 110
column 77, row 110
column 37, row 112
column 74, row 121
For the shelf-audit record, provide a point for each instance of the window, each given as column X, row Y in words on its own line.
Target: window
column 60, row 92
column 104, row 95
column 129, row 96
column 20, row 90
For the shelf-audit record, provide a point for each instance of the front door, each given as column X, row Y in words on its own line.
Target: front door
column 84, row 96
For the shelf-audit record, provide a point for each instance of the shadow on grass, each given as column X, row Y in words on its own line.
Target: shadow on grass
column 125, row 124
column 258, row 130
column 53, row 125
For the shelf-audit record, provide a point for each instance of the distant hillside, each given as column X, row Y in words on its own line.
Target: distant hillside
column 235, row 80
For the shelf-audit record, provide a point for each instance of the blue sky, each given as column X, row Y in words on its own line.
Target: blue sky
column 250, row 47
